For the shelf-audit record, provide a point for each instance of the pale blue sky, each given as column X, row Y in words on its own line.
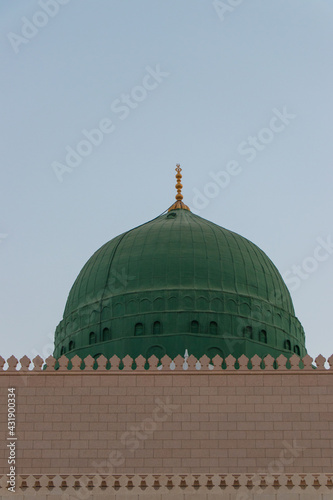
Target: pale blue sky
column 222, row 82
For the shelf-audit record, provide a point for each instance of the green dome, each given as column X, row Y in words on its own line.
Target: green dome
column 179, row 282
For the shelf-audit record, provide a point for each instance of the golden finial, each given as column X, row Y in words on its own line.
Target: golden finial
column 179, row 196
column 179, row 186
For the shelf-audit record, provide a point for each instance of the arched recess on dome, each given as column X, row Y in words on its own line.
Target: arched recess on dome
column 71, row 345
column 68, row 327
column 248, row 332
column 287, row 345
column 158, row 304
column 263, row 336
column 155, row 350
column 131, row 307
column 119, row 309
column 157, row 328
column 256, row 312
column 202, row 303
column 232, row 306
column 172, row 303
column 245, row 309
column 94, row 317
column 194, row 327
column 278, row 319
column 84, row 317
column 106, row 313
column 75, row 322
column 216, row 305
column 145, row 305
column 139, row 329
column 188, row 302
column 106, row 334
column 213, row 328
column 267, row 315
column 92, row 338
column 286, row 322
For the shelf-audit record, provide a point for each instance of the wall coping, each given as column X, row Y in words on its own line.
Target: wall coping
column 181, row 365
column 108, row 486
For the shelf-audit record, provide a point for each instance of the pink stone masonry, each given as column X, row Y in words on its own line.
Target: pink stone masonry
column 254, row 421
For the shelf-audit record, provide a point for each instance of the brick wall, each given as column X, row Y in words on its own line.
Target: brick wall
column 113, row 422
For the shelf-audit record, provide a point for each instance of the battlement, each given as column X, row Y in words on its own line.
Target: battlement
column 177, row 486
column 153, row 364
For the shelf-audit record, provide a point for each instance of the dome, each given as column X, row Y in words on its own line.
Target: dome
column 179, row 282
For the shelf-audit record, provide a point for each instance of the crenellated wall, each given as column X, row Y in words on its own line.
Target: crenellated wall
column 221, row 419
column 173, row 486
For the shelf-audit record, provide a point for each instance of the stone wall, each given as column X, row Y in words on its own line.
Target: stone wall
column 228, row 419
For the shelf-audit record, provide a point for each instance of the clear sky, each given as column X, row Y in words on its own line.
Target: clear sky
column 240, row 95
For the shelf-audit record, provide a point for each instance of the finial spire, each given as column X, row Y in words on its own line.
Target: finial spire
column 179, row 186
column 179, row 197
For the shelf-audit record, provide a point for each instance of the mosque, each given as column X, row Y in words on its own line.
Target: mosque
column 179, row 371
column 188, row 284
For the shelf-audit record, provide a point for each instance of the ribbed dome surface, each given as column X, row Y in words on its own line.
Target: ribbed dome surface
column 175, row 270
column 181, row 251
